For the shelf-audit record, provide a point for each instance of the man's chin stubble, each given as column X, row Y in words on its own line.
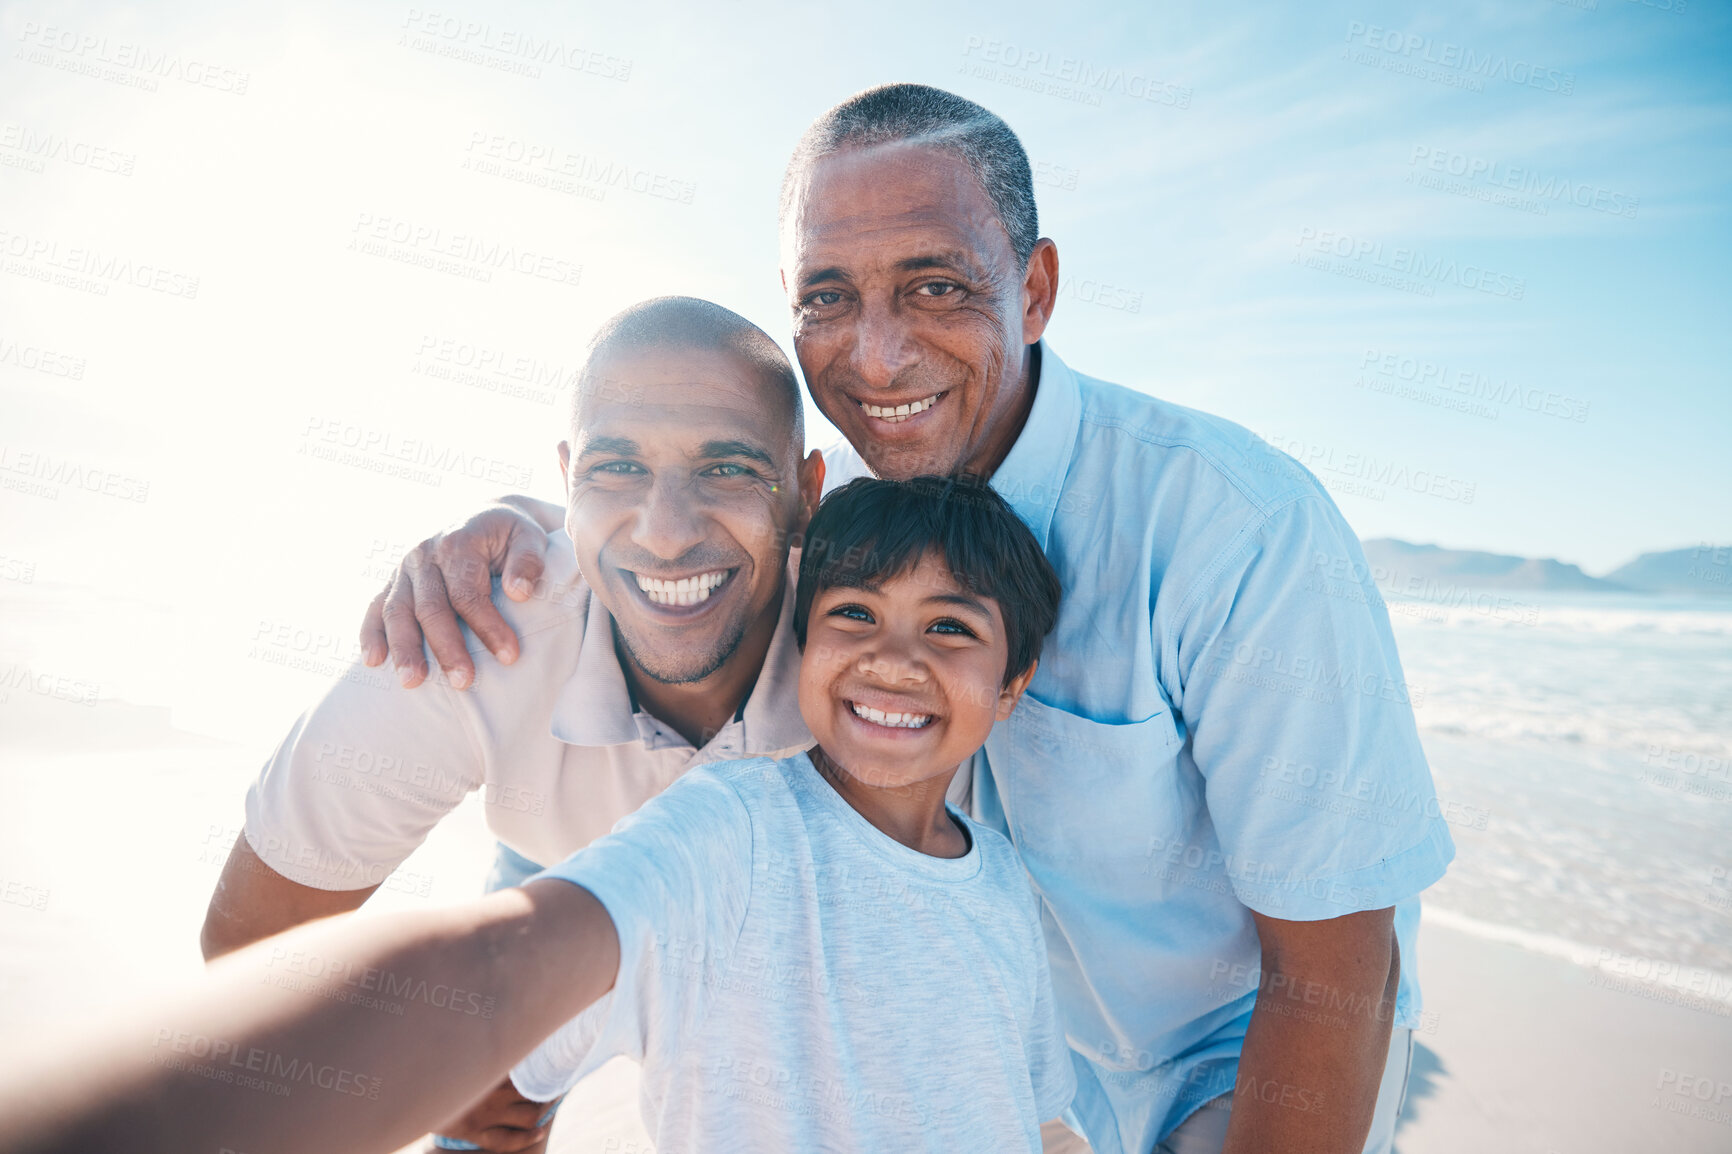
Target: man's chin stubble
column 657, row 671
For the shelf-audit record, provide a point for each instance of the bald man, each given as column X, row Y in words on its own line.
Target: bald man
column 662, row 641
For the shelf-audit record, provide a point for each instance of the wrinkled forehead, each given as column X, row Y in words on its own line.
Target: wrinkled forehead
column 677, row 399
column 897, row 195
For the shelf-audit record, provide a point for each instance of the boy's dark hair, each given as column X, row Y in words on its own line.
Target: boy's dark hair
column 871, row 530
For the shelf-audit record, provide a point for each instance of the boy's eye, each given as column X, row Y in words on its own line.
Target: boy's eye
column 951, row 626
column 852, row 612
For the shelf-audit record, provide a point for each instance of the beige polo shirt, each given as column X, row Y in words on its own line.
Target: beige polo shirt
column 552, row 741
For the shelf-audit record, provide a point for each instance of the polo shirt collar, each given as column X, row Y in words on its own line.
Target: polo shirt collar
column 771, row 718
column 1032, row 476
column 595, row 706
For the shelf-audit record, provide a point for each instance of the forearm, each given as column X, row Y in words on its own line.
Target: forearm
column 252, row 902
column 264, row 1057
column 1315, row 1051
column 547, row 514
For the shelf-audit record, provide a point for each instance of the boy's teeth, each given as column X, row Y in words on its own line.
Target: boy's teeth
column 892, row 720
column 685, row 591
column 894, row 413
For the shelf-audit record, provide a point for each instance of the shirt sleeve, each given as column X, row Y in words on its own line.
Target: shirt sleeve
column 1302, row 725
column 675, row 877
column 360, row 780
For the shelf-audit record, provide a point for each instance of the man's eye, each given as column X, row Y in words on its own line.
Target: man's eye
column 852, row 613
column 938, row 288
column 618, row 468
column 824, row 298
column 728, row 469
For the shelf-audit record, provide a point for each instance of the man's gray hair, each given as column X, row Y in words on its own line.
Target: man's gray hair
column 922, row 114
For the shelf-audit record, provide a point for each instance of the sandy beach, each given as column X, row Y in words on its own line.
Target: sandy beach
column 1529, row 1053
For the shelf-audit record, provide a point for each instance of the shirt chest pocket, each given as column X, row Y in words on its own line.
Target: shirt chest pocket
column 1083, row 798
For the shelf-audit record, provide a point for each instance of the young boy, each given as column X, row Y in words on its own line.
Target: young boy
column 815, row 953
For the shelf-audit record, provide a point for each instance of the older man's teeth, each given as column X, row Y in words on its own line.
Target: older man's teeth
column 892, row 720
column 685, row 591
column 894, row 413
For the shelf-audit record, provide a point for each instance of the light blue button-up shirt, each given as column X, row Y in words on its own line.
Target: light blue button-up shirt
column 1219, row 724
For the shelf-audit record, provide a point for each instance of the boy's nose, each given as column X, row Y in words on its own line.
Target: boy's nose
column 891, row 666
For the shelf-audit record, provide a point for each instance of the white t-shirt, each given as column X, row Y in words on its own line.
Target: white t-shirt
column 792, row 978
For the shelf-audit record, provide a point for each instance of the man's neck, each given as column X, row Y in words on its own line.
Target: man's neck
column 698, row 710
column 911, row 814
column 1000, row 440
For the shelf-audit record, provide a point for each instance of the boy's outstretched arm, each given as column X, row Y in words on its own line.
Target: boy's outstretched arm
column 352, row 1033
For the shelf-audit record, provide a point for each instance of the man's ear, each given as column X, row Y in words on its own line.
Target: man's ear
column 565, row 467
column 1039, row 290
column 811, row 488
column 1012, row 693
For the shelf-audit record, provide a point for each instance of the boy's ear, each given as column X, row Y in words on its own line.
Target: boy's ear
column 1012, row 693
column 811, row 488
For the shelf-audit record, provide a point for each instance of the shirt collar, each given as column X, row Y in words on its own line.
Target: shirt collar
column 1032, row 476
column 595, row 706
column 771, row 716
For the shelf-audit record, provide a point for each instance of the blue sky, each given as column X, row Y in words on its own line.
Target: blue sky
column 1276, row 213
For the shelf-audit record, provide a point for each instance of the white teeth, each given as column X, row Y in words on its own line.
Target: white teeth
column 685, row 591
column 899, row 412
column 891, row 720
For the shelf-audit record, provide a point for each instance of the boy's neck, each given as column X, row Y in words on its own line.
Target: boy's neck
column 913, row 815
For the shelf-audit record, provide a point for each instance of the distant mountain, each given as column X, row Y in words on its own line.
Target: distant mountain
column 1699, row 570
column 1401, row 565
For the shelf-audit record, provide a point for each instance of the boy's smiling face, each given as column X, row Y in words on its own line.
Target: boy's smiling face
column 901, row 682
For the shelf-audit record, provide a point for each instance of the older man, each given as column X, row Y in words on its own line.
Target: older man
column 1215, row 779
column 660, row 639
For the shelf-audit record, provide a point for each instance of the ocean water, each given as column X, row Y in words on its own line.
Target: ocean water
column 1582, row 747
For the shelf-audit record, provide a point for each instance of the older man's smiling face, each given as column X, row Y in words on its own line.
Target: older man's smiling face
column 912, row 314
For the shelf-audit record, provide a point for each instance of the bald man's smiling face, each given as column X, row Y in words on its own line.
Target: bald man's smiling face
column 911, row 319
column 683, row 486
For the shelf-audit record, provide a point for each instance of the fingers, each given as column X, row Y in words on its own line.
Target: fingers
column 450, row 577
column 402, row 632
column 466, row 563
column 525, row 560
column 518, row 1113
column 498, row 1139
column 503, row 1122
column 374, row 646
column 438, row 619
column 502, row 1140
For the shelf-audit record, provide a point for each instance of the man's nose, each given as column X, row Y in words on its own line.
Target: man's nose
column 883, row 344
column 669, row 522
